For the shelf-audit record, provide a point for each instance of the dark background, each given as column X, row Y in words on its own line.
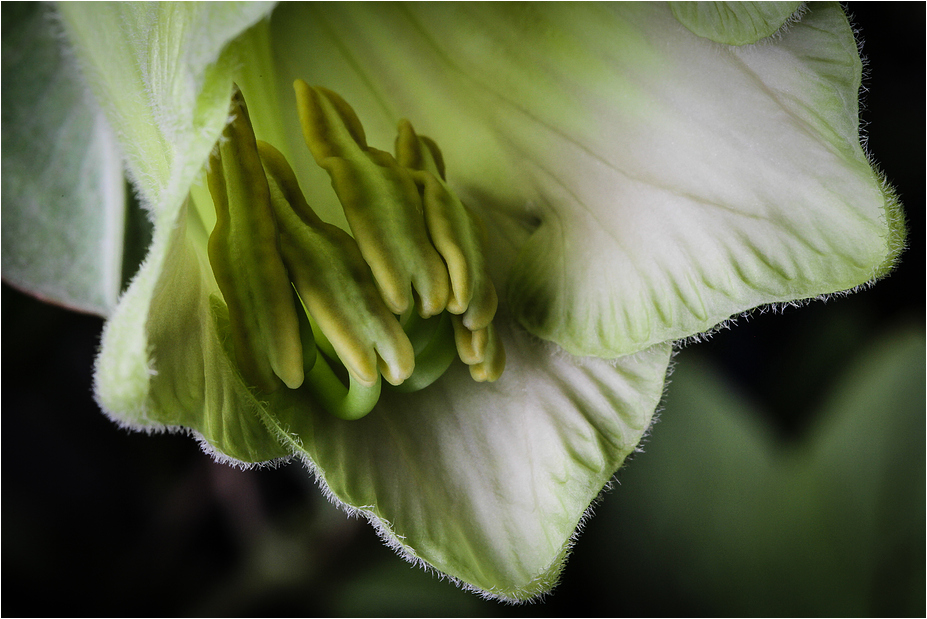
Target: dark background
column 99, row 521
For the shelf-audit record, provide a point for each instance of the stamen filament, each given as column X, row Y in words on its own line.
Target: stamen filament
column 348, row 403
column 435, row 352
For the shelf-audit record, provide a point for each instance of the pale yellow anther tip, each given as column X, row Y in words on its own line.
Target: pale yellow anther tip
column 418, row 152
column 408, row 148
column 482, row 308
column 291, row 377
column 363, row 373
column 431, row 305
column 323, row 116
column 493, row 365
column 398, row 371
column 471, row 345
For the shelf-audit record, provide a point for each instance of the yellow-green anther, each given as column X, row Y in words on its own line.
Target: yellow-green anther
column 348, row 403
column 471, row 345
column 335, row 284
column 456, row 233
column 246, row 261
column 381, row 203
column 493, row 364
column 459, row 236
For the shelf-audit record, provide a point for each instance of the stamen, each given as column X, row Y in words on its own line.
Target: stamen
column 349, row 403
column 491, row 368
column 482, row 350
column 471, row 345
column 456, row 233
column 303, row 294
column 335, row 283
column 246, row 261
column 459, row 236
column 380, row 200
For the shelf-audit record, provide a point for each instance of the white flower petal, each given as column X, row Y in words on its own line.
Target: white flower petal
column 734, row 23
column 671, row 182
column 488, row 482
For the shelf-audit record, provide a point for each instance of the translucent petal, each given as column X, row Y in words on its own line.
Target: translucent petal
column 670, row 182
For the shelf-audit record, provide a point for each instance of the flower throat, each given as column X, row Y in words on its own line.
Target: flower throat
column 400, row 299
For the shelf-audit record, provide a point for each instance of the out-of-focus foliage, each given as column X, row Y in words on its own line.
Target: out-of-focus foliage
column 743, row 522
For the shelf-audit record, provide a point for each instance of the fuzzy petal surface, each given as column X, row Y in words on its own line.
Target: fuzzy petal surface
column 63, row 188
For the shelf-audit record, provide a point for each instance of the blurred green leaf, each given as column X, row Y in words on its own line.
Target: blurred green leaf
column 62, row 181
column 832, row 524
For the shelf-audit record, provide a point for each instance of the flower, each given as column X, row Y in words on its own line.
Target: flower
column 643, row 174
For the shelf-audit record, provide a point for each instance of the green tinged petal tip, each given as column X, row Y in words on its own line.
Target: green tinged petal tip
column 734, row 23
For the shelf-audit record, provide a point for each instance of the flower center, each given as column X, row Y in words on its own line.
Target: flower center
column 396, row 299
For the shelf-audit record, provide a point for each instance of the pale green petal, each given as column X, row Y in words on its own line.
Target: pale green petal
column 63, row 188
column 650, row 183
column 194, row 384
column 734, row 23
column 155, row 69
column 164, row 87
column 486, row 482
column 670, row 183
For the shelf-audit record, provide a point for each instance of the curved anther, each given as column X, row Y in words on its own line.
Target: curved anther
column 471, row 345
column 458, row 234
column 493, row 363
column 414, row 242
column 482, row 350
column 335, row 284
column 381, row 202
column 245, row 259
column 455, row 231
